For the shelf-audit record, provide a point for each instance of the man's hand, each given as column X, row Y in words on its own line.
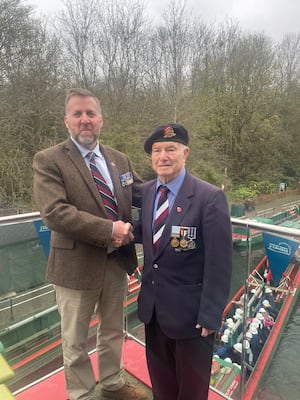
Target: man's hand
column 205, row 332
column 122, row 233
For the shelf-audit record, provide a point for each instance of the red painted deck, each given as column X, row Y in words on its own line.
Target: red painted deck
column 53, row 386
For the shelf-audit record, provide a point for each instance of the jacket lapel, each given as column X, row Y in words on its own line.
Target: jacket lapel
column 147, row 210
column 83, row 170
column 180, row 207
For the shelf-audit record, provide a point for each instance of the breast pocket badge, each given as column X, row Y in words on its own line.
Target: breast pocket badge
column 126, row 179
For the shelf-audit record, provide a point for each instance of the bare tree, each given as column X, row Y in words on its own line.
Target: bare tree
column 29, row 76
column 173, row 37
column 201, row 45
column 77, row 26
column 121, row 40
column 237, row 93
column 288, row 60
column 15, row 32
column 288, row 70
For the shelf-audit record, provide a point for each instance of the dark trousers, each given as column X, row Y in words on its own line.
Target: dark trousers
column 179, row 368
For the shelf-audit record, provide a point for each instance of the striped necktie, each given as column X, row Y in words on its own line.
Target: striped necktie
column 104, row 190
column 161, row 215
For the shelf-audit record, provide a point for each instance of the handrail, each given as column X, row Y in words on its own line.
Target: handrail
column 20, row 217
column 250, row 224
column 246, row 223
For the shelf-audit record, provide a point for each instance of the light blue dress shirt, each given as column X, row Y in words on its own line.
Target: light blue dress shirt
column 173, row 187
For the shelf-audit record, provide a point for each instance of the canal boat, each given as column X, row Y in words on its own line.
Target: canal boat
column 289, row 217
column 239, row 373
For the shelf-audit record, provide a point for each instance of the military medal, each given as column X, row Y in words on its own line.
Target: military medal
column 183, row 235
column 175, row 235
column 191, row 244
column 174, row 242
column 183, row 243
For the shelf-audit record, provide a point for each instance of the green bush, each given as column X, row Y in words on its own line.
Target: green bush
column 261, row 187
column 243, row 192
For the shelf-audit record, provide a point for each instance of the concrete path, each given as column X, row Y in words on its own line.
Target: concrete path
column 277, row 204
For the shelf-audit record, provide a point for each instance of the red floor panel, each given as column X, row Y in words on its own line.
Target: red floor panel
column 53, row 387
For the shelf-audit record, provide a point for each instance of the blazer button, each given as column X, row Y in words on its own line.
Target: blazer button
column 152, row 282
column 155, row 266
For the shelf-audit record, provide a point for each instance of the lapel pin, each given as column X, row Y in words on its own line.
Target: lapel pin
column 179, row 209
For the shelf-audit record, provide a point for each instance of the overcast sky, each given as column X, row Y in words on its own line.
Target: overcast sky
column 273, row 17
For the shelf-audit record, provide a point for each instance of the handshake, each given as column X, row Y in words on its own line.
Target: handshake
column 122, row 233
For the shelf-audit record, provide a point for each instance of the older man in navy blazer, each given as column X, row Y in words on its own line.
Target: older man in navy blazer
column 187, row 269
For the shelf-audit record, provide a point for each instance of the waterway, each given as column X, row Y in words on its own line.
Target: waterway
column 282, row 379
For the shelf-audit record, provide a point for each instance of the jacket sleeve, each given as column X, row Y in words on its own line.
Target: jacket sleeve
column 217, row 236
column 52, row 196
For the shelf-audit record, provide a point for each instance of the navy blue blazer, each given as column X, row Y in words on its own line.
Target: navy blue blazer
column 186, row 286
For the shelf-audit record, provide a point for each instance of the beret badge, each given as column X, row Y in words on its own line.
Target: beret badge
column 169, row 131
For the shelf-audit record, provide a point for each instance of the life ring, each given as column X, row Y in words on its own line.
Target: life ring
column 215, row 367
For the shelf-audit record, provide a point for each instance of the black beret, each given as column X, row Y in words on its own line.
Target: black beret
column 167, row 133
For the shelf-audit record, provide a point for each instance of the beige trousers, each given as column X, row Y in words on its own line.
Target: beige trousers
column 76, row 308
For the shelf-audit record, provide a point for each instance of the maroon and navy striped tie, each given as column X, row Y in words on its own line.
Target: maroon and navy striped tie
column 104, row 190
column 161, row 215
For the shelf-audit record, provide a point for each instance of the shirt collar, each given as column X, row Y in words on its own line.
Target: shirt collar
column 84, row 151
column 175, row 184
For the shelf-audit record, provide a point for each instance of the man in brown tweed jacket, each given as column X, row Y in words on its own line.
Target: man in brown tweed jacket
column 89, row 253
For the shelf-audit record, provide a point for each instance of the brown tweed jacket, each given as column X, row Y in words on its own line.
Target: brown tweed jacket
column 70, row 205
